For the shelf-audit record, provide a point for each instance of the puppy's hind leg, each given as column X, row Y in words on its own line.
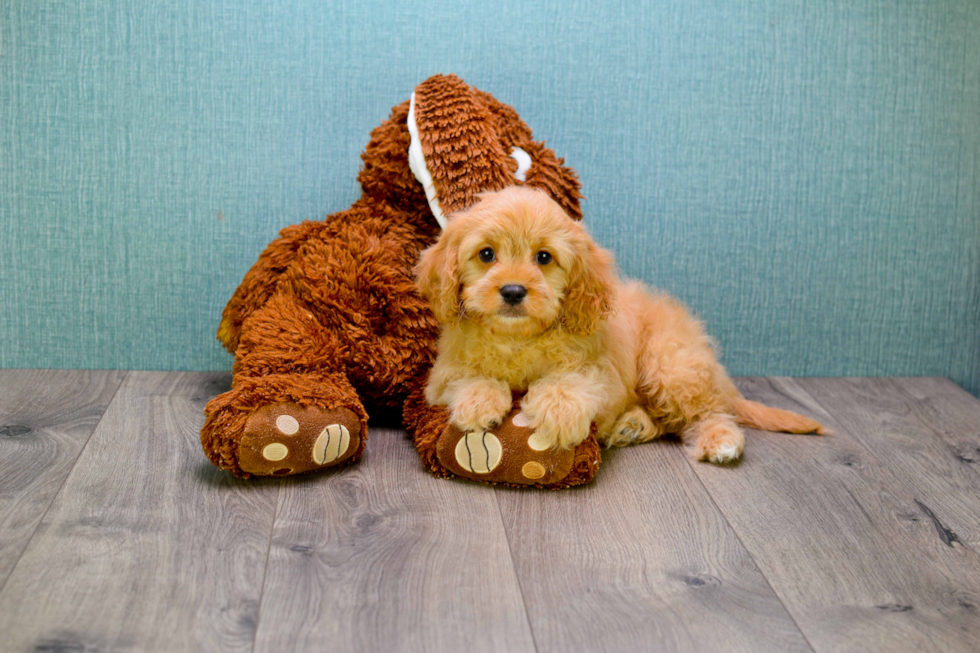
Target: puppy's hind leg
column 683, row 387
column 715, row 438
column 634, row 425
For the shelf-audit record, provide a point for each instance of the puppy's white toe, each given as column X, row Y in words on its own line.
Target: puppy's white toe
column 718, row 440
column 724, row 454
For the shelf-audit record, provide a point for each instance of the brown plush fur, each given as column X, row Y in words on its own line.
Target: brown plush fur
column 583, row 345
column 329, row 315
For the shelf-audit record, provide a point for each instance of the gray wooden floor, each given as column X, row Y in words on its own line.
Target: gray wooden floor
column 117, row 534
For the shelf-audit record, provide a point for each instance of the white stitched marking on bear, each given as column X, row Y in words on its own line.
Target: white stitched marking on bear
column 331, row 444
column 523, row 163
column 275, row 451
column 287, row 424
column 479, row 452
column 416, row 162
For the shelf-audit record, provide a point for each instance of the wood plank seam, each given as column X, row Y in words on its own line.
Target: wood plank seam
column 373, row 558
column 513, row 563
column 265, row 568
column 946, row 535
column 954, row 387
column 633, row 565
column 748, row 552
column 936, row 590
column 55, row 496
column 146, row 519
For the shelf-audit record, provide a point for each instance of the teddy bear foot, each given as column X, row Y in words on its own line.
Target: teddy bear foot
column 512, row 454
column 509, row 454
column 286, row 438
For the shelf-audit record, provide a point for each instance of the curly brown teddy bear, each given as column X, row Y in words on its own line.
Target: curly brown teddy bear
column 327, row 327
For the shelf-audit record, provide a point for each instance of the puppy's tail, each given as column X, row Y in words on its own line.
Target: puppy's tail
column 756, row 416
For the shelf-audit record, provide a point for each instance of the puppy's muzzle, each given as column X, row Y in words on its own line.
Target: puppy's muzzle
column 513, row 294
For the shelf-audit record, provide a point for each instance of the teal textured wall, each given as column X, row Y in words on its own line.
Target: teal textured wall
column 805, row 175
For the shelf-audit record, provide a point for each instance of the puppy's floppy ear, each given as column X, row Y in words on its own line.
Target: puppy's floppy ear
column 437, row 274
column 591, row 279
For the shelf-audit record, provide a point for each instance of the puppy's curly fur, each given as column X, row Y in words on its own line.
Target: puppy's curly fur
column 529, row 302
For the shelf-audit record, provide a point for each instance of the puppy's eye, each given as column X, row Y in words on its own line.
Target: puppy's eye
column 543, row 258
column 487, row 255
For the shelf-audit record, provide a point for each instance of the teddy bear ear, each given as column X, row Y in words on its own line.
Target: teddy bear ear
column 534, row 163
column 464, row 142
column 456, row 149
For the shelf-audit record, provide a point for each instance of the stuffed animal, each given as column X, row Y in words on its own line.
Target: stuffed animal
column 327, row 326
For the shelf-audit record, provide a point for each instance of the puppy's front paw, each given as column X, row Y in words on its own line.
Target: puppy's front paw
column 556, row 423
column 479, row 405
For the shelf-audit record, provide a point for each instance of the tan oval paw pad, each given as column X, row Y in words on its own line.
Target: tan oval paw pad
column 275, row 451
column 539, row 442
column 520, row 420
column 331, row 444
column 533, row 470
column 287, row 424
column 478, row 452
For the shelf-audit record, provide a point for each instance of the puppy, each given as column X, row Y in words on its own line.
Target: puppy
column 529, row 302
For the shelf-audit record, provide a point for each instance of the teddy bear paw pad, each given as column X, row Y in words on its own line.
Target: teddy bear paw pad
column 286, row 438
column 478, row 452
column 510, row 453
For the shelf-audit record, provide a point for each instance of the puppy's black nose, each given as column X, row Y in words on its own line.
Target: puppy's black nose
column 513, row 294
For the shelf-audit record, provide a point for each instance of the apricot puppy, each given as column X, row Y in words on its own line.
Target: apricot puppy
column 529, row 302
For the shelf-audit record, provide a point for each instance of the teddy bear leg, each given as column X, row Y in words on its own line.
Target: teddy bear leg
column 292, row 407
column 508, row 454
column 283, row 424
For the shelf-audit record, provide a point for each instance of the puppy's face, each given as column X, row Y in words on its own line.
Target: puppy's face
column 518, row 265
column 512, row 270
